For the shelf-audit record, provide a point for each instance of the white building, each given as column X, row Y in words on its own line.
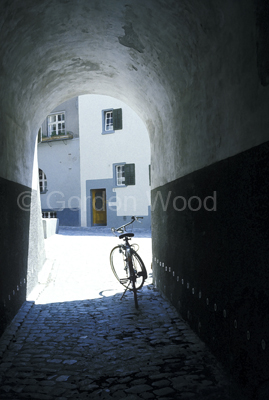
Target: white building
column 95, row 158
column 59, row 164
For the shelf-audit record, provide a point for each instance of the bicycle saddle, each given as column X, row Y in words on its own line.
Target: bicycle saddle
column 124, row 235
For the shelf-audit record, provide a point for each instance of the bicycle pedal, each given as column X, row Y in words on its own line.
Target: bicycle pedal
column 124, row 280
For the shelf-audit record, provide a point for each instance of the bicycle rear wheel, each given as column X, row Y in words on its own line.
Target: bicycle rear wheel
column 121, row 271
column 119, row 265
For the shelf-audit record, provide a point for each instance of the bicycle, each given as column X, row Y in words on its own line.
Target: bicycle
column 126, row 264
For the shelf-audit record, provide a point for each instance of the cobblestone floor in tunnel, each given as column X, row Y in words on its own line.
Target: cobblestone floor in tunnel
column 103, row 348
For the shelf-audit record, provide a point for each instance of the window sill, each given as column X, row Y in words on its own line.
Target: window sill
column 107, row 132
column 56, row 138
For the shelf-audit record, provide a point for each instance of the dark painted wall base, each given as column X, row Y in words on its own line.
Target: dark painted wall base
column 66, row 216
column 14, row 237
column 211, row 258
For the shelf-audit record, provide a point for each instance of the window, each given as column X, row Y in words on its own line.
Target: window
column 42, row 182
column 112, row 120
column 120, row 176
column 109, row 121
column 124, row 174
column 56, row 124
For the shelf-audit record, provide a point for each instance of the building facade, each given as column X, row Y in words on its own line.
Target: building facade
column 59, row 164
column 115, row 162
column 94, row 163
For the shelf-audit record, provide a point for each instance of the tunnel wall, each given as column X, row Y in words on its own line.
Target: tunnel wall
column 210, row 258
column 22, row 247
column 14, row 236
column 22, row 242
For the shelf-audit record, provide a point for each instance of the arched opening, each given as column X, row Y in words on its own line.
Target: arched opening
column 195, row 75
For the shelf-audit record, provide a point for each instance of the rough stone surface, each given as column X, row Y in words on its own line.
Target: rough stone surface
column 101, row 347
column 189, row 69
column 113, row 352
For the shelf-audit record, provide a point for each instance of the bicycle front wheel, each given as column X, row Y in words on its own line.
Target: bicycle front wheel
column 139, row 270
column 134, row 289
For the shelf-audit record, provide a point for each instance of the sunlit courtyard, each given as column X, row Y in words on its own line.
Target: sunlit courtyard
column 78, row 266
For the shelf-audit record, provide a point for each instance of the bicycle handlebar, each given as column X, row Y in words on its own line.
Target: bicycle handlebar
column 122, row 229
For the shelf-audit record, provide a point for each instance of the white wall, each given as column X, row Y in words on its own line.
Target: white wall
column 98, row 153
column 59, row 160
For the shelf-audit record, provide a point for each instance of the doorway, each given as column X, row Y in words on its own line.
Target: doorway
column 99, row 215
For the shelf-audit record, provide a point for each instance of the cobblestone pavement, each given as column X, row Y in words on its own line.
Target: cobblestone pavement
column 102, row 347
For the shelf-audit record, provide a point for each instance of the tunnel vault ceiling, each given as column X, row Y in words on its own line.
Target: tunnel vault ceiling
column 176, row 63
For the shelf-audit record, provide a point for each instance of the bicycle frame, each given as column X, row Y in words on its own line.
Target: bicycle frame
column 129, row 264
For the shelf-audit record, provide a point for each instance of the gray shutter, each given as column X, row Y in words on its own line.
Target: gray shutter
column 39, row 139
column 117, row 119
column 129, row 172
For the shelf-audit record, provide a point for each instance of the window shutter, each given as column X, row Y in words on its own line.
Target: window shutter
column 39, row 138
column 129, row 170
column 117, row 119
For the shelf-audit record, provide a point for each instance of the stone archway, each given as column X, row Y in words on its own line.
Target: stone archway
column 196, row 73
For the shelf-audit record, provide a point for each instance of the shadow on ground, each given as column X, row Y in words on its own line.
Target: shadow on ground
column 106, row 349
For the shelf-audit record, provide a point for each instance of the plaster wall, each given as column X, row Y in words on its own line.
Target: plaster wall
column 71, row 117
column 100, row 152
column 176, row 76
column 32, row 206
column 60, row 161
